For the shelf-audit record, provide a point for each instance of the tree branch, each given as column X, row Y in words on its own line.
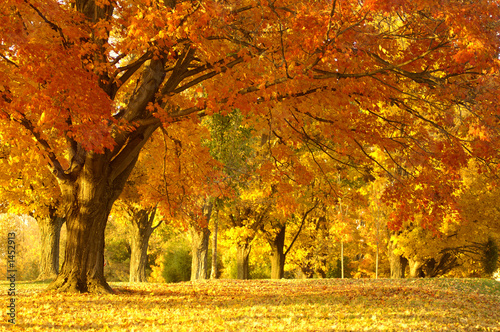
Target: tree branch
column 300, row 228
column 55, row 167
column 52, row 25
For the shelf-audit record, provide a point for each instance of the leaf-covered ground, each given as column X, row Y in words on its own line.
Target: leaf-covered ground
column 264, row 305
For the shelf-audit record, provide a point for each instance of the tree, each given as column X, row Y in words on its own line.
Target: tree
column 200, row 236
column 25, row 191
column 50, row 233
column 27, row 245
column 91, row 82
column 136, row 206
column 143, row 224
column 234, row 142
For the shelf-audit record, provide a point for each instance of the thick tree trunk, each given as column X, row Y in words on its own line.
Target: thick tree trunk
column 88, row 198
column 93, row 181
column 83, row 267
column 397, row 262
column 141, row 232
column 242, row 254
column 278, row 254
column 415, row 268
column 50, row 229
column 199, row 264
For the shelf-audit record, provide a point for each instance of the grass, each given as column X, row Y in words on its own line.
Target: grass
column 265, row 305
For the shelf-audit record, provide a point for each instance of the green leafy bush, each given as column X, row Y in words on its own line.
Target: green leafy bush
column 490, row 257
column 177, row 264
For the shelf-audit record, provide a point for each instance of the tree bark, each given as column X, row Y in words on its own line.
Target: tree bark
column 242, row 254
column 397, row 262
column 87, row 197
column 278, row 256
column 83, row 267
column 199, row 264
column 142, row 228
column 415, row 268
column 50, row 229
column 213, row 271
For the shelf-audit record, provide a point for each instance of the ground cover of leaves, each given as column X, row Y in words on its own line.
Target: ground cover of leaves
column 265, row 305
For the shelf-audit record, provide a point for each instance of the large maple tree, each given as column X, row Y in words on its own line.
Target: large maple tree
column 86, row 83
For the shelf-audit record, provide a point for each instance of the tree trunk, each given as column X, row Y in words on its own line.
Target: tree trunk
column 307, row 266
column 88, row 198
column 83, row 267
column 278, row 255
column 199, row 264
column 213, row 272
column 397, row 262
column 142, row 228
column 242, row 254
column 50, row 229
column 434, row 268
column 93, row 181
column 415, row 268
column 342, row 259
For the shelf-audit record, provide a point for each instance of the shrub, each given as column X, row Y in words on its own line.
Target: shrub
column 490, row 257
column 335, row 271
column 177, row 264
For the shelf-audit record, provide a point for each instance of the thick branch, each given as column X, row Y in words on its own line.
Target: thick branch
column 130, row 150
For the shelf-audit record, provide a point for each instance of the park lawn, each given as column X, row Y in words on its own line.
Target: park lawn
column 265, row 305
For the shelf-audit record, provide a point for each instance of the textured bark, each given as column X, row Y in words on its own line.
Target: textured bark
column 397, row 262
column 277, row 254
column 240, row 218
column 88, row 199
column 94, row 181
column 199, row 264
column 242, row 254
column 50, row 229
column 142, row 228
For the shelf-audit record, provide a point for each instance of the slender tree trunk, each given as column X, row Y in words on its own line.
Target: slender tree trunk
column 213, row 272
column 377, row 253
column 141, row 232
column 342, row 258
column 199, row 264
column 278, row 255
column 50, row 229
column 242, row 254
column 200, row 235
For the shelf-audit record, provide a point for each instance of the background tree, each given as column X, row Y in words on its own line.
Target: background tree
column 27, row 240
column 26, row 191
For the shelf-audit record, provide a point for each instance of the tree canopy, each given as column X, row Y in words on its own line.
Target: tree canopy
column 403, row 88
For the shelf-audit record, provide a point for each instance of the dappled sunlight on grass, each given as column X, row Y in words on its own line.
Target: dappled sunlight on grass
column 263, row 305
